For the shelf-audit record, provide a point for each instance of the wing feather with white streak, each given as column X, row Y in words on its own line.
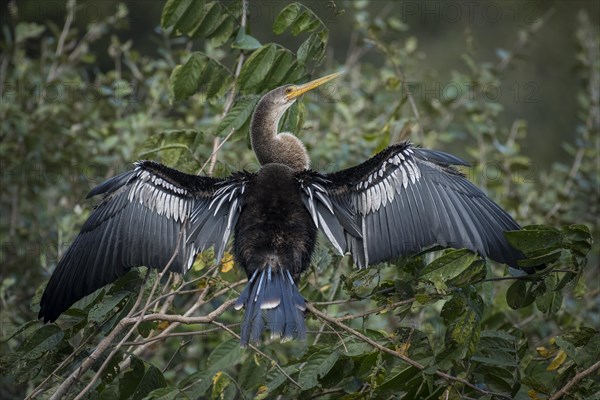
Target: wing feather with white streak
column 147, row 216
column 403, row 200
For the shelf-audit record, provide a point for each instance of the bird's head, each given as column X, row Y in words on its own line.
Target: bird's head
column 280, row 99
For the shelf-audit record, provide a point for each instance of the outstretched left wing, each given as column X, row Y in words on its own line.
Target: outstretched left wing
column 149, row 216
column 403, row 200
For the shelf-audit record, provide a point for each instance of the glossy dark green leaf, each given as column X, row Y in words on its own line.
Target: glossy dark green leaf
column 199, row 19
column 166, row 393
column 463, row 329
column 448, row 266
column 281, row 68
column 579, row 238
column 534, row 261
column 474, row 273
column 152, row 379
column 197, row 384
column 452, row 309
column 244, row 41
column 286, row 17
column 534, row 238
column 313, row 48
column 549, row 302
column 44, row 339
column 208, row 22
column 198, row 74
column 223, row 31
column 317, row 366
column 516, row 294
column 100, row 311
column 401, row 381
column 225, row 355
column 174, row 10
column 192, row 16
column 300, row 19
column 239, row 114
column 275, row 378
column 131, row 379
column 256, row 67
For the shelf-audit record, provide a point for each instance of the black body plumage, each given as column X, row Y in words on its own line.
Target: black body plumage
column 402, row 200
column 273, row 243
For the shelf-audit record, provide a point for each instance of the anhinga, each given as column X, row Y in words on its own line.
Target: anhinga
column 400, row 201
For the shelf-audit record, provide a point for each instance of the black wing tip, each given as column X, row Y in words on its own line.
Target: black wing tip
column 48, row 315
column 440, row 157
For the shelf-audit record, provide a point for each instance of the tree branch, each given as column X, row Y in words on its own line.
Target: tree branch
column 578, row 377
column 217, row 143
column 399, row 355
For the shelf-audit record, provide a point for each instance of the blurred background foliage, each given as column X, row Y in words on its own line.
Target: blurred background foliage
column 88, row 87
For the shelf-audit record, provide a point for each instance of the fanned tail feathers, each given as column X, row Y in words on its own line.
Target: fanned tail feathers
column 272, row 301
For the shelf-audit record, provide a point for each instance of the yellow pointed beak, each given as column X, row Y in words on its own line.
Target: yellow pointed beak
column 301, row 89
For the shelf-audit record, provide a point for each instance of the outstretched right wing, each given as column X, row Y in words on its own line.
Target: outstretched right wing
column 148, row 216
column 403, row 200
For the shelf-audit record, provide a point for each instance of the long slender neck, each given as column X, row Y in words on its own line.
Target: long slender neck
column 271, row 147
column 263, row 129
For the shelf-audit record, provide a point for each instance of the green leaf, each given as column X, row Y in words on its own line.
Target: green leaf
column 245, row 42
column 406, row 379
column 198, row 19
column 225, row 355
column 28, row 30
column 535, row 238
column 237, row 116
column 44, row 339
column 317, row 367
column 313, row 47
column 533, row 261
column 223, row 31
column 152, row 379
column 256, row 67
column 551, row 300
column 101, row 310
column 516, row 294
column 579, row 238
column 462, row 315
column 284, row 62
column 198, row 383
column 275, row 378
column 300, row 19
column 222, row 387
column 448, row 266
column 286, row 17
column 208, row 22
column 129, row 382
column 198, row 73
column 139, row 381
column 166, row 393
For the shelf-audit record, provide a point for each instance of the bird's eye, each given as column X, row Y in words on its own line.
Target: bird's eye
column 289, row 90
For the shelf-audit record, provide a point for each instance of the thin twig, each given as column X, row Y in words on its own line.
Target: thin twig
column 61, row 40
column 578, row 377
column 200, row 301
column 399, row 355
column 523, row 40
column 98, row 373
column 375, row 310
column 203, row 319
column 217, row 143
column 257, row 350
column 177, row 334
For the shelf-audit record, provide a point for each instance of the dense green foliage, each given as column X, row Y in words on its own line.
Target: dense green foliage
column 442, row 324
